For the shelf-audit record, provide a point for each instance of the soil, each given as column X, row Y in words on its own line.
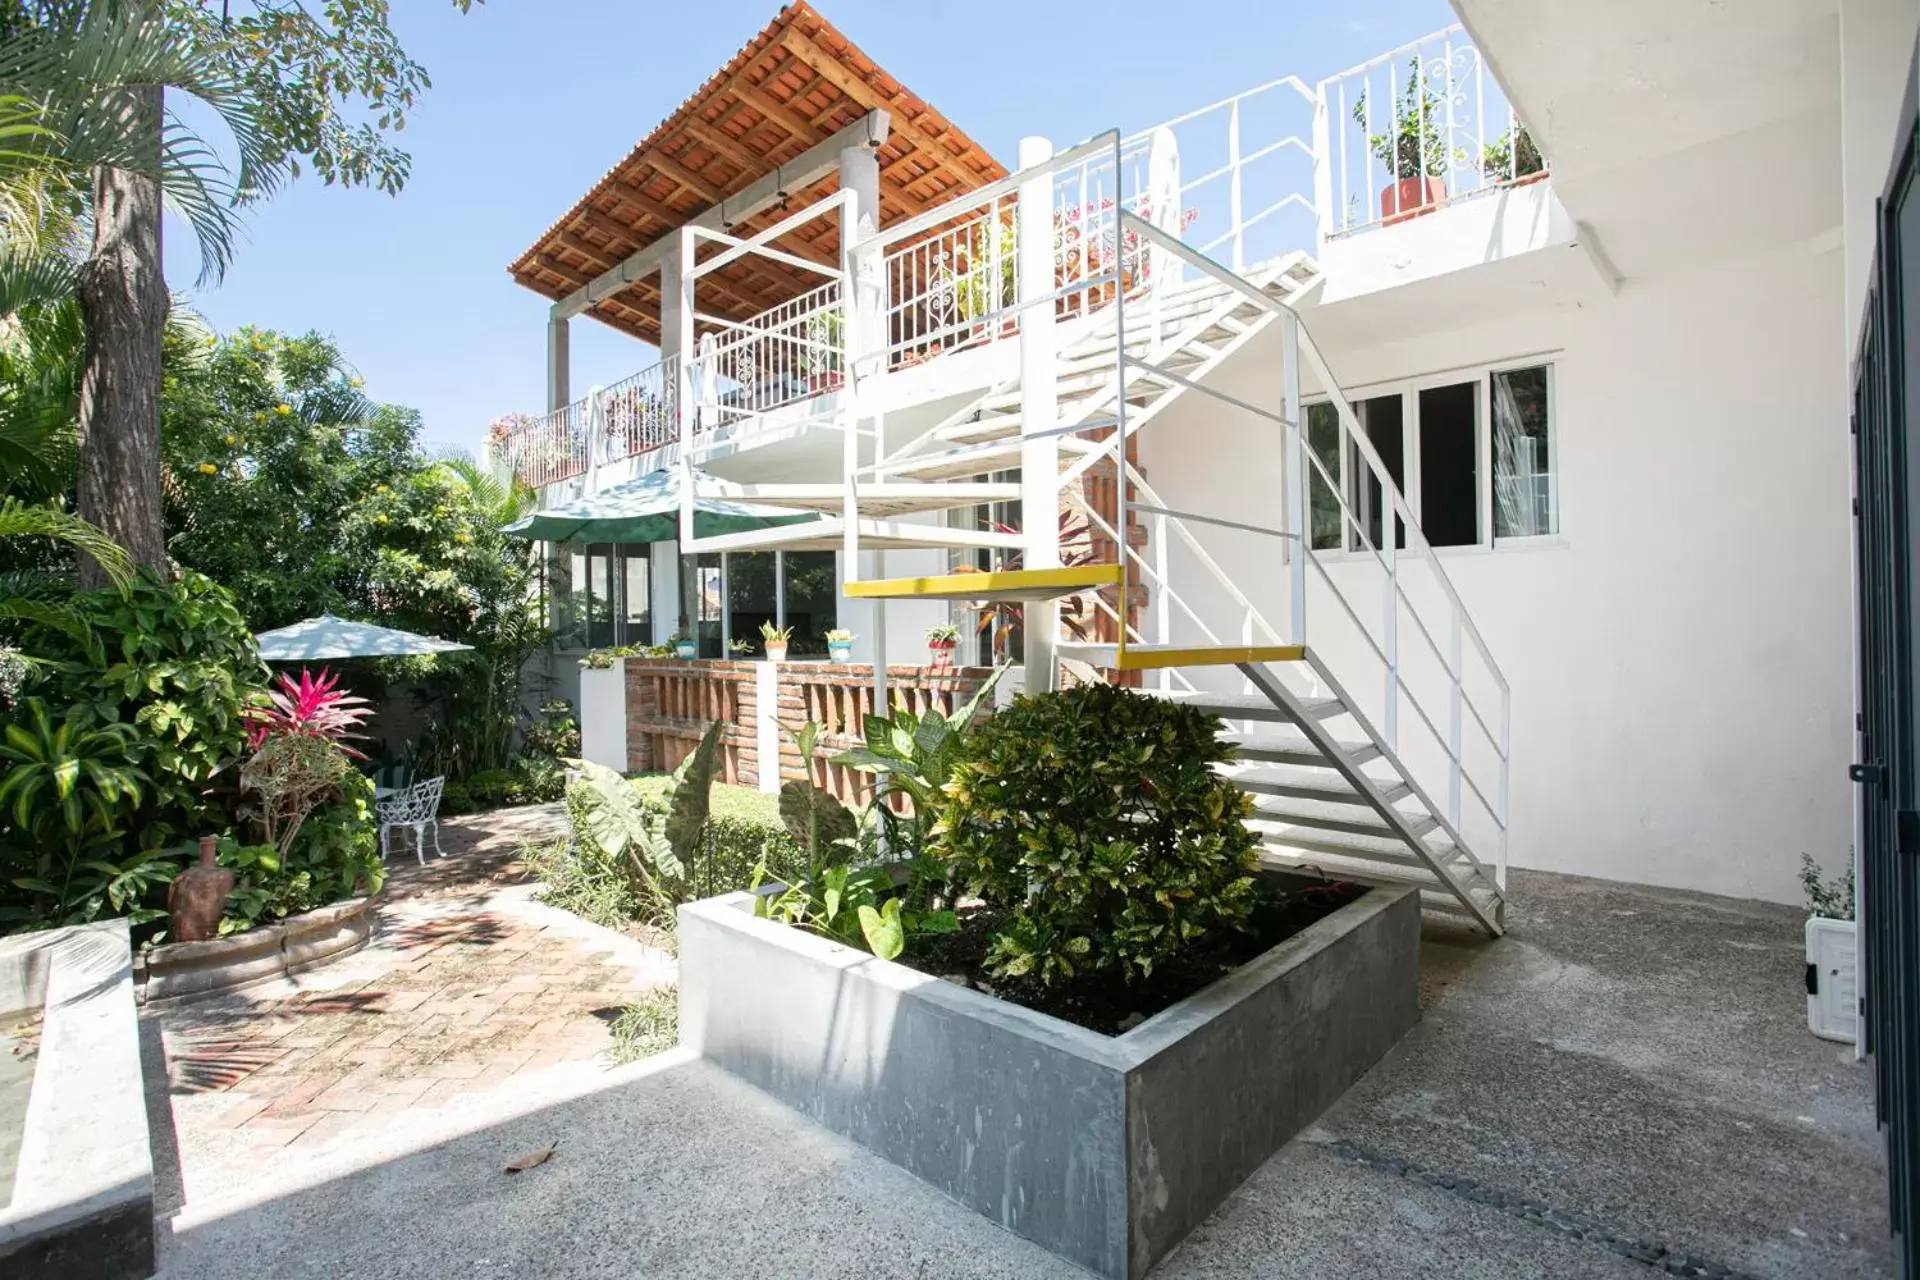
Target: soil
column 1109, row 1004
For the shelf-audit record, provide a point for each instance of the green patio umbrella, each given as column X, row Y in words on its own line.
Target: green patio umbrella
column 648, row 510
column 327, row 637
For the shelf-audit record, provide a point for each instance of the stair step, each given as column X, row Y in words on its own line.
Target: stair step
column 884, row 499
column 1305, row 783
column 1347, row 858
column 1000, row 455
column 1294, row 749
column 1001, row 587
column 828, row 533
column 1154, row 657
column 1325, row 817
column 1251, row 706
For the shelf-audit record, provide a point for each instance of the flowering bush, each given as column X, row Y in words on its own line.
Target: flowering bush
column 310, row 705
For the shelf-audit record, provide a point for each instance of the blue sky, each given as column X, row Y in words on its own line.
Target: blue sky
column 533, row 100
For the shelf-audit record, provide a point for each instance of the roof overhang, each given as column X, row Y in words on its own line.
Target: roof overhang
column 761, row 136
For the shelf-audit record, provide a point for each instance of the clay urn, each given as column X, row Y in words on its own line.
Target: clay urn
column 197, row 898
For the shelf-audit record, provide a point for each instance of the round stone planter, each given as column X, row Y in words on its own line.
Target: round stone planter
column 177, row 970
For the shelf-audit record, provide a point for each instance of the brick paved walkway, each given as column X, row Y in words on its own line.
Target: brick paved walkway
column 470, row 990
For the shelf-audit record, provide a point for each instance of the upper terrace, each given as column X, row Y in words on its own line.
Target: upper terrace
column 751, row 331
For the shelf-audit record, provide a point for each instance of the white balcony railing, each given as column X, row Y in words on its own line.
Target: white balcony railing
column 1282, row 167
column 789, row 353
column 1416, row 128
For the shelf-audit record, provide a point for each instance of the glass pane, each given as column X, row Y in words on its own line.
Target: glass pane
column 700, row 601
column 811, row 600
column 636, row 597
column 1382, row 418
column 750, row 600
column 600, row 595
column 1450, row 465
column 1323, row 502
column 1523, row 497
column 568, row 592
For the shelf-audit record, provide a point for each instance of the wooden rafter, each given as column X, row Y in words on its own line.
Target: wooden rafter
column 843, row 79
column 698, row 183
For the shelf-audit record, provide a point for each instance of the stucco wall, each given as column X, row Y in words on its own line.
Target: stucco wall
column 1680, row 655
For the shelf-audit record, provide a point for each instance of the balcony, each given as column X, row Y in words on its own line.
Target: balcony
column 1281, row 168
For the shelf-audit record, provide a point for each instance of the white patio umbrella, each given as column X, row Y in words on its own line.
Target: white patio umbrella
column 327, row 637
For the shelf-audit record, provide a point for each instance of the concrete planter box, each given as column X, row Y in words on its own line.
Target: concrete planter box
column 177, row 970
column 82, row 1201
column 1106, row 1150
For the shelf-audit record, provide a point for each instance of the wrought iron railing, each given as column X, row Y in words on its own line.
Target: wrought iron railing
column 784, row 355
column 1416, row 129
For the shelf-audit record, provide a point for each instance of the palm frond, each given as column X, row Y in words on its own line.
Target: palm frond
column 18, row 519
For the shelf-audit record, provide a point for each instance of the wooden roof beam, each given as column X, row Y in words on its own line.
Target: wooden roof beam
column 843, row 79
column 798, row 174
column 698, row 183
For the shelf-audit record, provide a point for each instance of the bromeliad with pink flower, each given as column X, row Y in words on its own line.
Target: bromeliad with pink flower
column 313, row 705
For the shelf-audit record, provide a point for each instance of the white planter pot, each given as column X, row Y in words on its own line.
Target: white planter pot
column 1833, row 989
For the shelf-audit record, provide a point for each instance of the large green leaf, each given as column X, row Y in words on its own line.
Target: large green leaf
column 689, row 804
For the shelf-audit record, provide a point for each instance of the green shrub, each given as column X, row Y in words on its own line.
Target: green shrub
column 543, row 779
column 743, row 830
column 455, row 801
column 492, row 788
column 650, row 1025
column 1093, row 818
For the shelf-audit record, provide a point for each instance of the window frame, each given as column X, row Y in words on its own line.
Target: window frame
column 1409, row 389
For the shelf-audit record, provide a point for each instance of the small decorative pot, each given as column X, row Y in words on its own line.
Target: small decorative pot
column 686, row 649
column 940, row 652
column 776, row 651
column 838, row 651
column 197, row 898
column 1411, row 198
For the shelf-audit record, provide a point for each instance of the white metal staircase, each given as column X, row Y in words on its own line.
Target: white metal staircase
column 1144, row 321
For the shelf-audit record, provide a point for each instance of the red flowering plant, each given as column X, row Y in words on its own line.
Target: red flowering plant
column 312, row 705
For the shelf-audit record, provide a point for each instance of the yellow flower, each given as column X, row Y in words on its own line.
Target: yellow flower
column 281, row 408
column 379, row 519
column 259, row 417
column 208, row 469
column 229, row 437
column 356, row 382
column 463, row 537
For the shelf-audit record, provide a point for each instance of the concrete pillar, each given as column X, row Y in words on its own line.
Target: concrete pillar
column 866, row 339
column 559, row 364
column 1039, row 406
column 676, row 344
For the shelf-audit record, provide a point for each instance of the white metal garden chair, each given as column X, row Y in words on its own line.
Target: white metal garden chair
column 417, row 806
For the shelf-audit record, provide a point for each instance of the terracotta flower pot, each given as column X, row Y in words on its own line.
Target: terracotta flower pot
column 776, row 651
column 1411, row 198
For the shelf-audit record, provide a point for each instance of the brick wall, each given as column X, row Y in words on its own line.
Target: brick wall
column 671, row 702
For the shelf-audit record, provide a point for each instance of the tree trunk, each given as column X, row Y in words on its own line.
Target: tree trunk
column 123, row 300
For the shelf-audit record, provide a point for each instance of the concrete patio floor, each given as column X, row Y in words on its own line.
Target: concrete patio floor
column 1622, row 1087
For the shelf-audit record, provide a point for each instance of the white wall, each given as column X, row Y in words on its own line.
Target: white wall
column 1876, row 48
column 1680, row 656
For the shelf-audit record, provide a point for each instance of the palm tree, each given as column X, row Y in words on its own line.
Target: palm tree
column 86, row 82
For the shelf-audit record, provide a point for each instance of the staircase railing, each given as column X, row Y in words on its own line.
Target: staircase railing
column 1454, row 648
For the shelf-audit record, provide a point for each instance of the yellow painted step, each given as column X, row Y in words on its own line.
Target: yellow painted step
column 1004, row 586
column 1153, row 657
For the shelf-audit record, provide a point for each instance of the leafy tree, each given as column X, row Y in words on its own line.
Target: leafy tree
column 285, row 482
column 82, row 92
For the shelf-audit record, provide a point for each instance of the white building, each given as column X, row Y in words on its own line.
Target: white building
column 1612, row 385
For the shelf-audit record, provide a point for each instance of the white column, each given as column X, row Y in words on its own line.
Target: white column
column 1039, row 407
column 676, row 340
column 1297, row 474
column 1322, row 168
column 559, row 364
column 866, row 340
column 766, row 729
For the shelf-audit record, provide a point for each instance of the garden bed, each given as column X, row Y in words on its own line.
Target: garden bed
column 1105, row 1149
column 1107, row 1003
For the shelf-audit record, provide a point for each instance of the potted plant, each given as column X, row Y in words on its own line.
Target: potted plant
column 1832, row 953
column 775, row 639
column 684, row 646
column 1513, row 160
column 941, row 642
column 741, row 649
column 840, row 645
column 1415, row 149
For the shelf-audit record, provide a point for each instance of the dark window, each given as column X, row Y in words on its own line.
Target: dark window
column 1323, row 500
column 1383, row 419
column 1449, row 465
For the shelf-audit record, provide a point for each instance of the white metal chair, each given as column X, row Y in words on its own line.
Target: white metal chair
column 417, row 806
